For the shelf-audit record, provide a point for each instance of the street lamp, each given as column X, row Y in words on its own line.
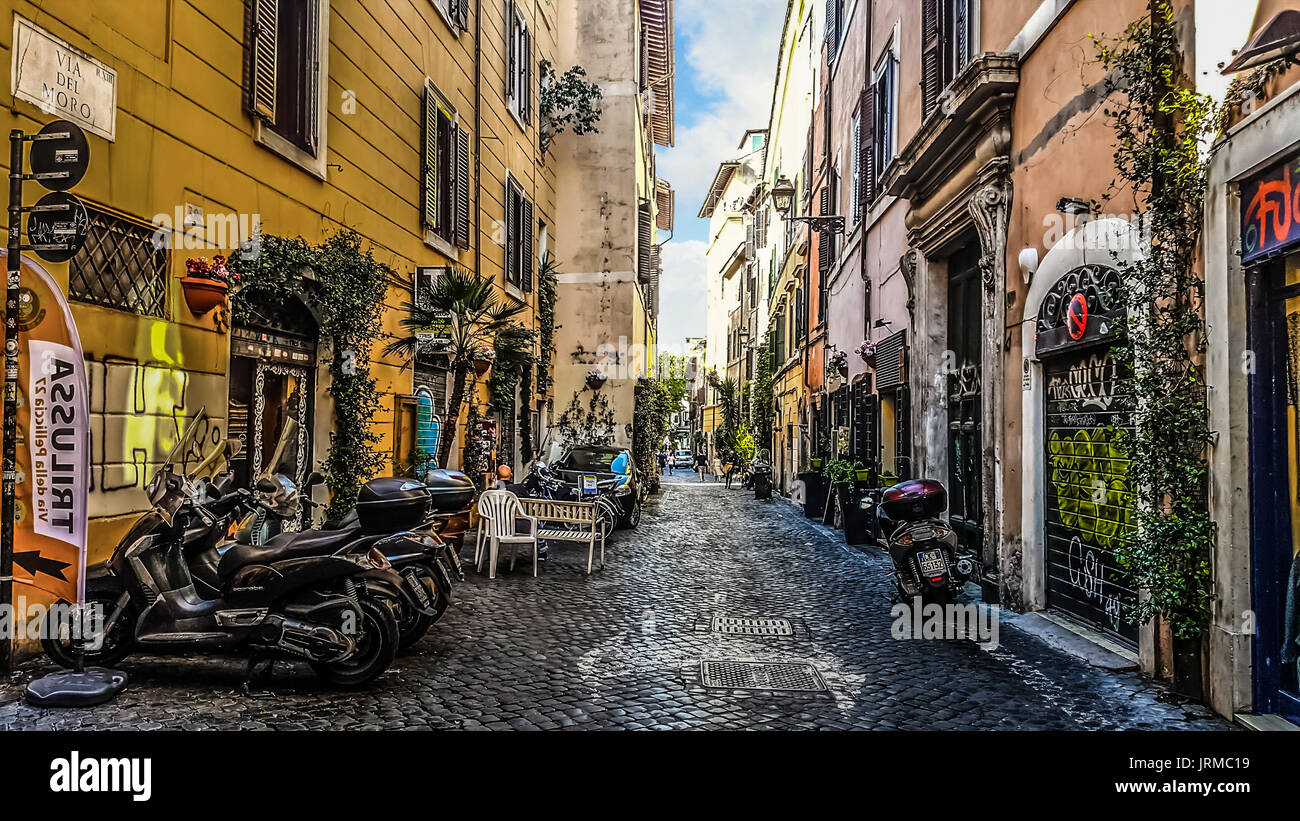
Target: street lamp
column 783, row 198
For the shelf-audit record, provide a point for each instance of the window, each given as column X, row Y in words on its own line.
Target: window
column 455, row 12
column 947, row 45
column 519, row 237
column 647, row 253
column 857, row 184
column 519, row 64
column 119, row 267
column 283, row 71
column 444, row 172
column 834, row 27
column 886, row 118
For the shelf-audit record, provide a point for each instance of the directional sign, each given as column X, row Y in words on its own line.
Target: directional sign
column 51, row 155
column 58, row 227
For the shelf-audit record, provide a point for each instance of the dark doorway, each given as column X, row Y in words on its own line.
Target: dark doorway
column 962, row 362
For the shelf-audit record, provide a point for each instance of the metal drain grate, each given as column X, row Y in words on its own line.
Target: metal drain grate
column 752, row 627
column 761, row 675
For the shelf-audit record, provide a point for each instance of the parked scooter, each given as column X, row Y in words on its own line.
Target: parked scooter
column 392, row 522
column 542, row 483
column 922, row 547
column 761, row 472
column 336, row 612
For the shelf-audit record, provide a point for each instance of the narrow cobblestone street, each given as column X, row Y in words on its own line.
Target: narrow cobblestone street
column 622, row 648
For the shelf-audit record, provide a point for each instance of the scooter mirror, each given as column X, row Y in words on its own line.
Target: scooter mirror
column 265, row 485
column 315, row 478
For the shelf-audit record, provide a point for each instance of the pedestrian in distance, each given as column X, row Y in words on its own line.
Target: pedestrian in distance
column 728, row 469
column 701, row 465
column 663, row 464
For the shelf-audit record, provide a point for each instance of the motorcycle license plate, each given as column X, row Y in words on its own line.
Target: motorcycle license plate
column 932, row 563
column 417, row 589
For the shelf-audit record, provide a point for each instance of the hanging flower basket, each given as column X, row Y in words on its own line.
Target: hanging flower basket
column 595, row 380
column 483, row 359
column 207, row 284
column 867, row 350
column 840, row 363
column 481, row 366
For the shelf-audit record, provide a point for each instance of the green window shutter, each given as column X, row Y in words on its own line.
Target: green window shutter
column 261, row 56
column 430, row 160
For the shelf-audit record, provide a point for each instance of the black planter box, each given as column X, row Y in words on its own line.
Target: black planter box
column 861, row 526
column 814, row 500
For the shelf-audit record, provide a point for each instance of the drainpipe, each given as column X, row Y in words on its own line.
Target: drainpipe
column 478, row 137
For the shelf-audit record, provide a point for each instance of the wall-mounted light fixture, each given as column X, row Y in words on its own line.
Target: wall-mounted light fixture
column 783, row 198
column 1029, row 263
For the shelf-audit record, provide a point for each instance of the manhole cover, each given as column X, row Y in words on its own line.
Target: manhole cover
column 752, row 627
column 761, row 675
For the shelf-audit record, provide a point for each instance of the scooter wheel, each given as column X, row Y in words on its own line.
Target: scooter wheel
column 376, row 647
column 413, row 625
column 116, row 645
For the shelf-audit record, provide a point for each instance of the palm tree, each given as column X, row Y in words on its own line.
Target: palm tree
column 477, row 315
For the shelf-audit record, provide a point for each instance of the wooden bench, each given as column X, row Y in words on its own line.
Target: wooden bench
column 582, row 515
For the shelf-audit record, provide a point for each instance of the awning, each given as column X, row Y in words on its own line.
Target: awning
column 718, row 188
column 1278, row 38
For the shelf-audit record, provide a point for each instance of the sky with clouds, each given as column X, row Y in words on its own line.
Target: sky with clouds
column 726, row 62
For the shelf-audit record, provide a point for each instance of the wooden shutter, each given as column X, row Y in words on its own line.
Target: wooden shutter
column 512, row 235
column 261, row 57
column 526, row 97
column 750, row 238
column 931, row 55
column 960, row 35
column 462, row 187
column 866, row 149
column 824, row 239
column 526, row 244
column 512, row 47
column 460, row 10
column 429, row 163
column 645, row 241
column 832, row 27
column 311, row 107
column 760, row 229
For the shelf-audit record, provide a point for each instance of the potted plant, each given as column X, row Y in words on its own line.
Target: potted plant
column 596, row 380
column 840, row 363
column 483, row 359
column 867, row 350
column 814, row 489
column 206, row 283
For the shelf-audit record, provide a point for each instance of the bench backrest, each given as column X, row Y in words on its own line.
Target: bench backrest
column 549, row 510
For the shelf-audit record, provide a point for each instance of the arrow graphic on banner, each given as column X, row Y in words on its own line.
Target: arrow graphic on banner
column 33, row 562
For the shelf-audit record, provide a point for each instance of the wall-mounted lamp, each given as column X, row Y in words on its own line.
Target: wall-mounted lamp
column 783, row 198
column 1029, row 263
column 1073, row 205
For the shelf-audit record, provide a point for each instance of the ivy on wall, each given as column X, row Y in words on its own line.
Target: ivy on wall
column 547, row 295
column 1160, row 125
column 344, row 285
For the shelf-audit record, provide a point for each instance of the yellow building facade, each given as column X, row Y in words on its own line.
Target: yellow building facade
column 412, row 122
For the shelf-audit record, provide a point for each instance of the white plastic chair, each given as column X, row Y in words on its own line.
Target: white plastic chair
column 498, row 511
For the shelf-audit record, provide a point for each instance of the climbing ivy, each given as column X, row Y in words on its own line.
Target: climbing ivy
column 1160, row 125
column 761, row 398
column 344, row 285
column 547, row 295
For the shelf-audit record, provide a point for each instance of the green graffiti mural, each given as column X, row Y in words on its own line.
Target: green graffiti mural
column 1089, row 477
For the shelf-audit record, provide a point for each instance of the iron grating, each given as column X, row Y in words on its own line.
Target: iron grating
column 761, row 675
column 752, row 627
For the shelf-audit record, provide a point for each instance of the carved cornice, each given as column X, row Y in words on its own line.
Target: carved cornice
column 975, row 109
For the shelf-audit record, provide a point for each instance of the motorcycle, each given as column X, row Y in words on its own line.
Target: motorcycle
column 267, row 514
column 761, row 476
column 336, row 612
column 922, row 547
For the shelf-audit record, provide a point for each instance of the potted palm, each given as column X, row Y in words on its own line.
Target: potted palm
column 469, row 308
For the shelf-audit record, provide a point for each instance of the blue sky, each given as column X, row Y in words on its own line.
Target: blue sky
column 726, row 61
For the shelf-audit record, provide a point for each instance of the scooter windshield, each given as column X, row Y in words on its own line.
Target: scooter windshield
column 185, row 462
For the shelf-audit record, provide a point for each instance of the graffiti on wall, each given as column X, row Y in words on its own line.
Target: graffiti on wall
column 1089, row 495
column 138, row 411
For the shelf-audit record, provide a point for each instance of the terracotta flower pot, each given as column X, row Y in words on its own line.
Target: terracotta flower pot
column 481, row 366
column 203, row 294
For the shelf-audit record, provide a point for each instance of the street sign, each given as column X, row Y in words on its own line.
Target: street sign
column 57, row 227
column 52, row 156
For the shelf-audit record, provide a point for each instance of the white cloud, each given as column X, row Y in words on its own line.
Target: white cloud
column 727, row 65
column 683, row 291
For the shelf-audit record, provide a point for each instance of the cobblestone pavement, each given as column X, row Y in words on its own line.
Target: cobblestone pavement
column 622, row 648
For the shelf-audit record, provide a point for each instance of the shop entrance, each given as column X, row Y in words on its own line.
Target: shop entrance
column 272, row 387
column 962, row 361
column 1273, row 291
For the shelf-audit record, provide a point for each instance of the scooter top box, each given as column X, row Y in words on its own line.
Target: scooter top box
column 914, row 499
column 451, row 490
column 391, row 504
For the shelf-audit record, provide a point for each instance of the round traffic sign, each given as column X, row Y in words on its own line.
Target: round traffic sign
column 70, row 155
column 67, row 227
column 1076, row 316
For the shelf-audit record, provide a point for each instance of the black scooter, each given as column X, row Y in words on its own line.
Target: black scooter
column 337, row 613
column 760, row 471
column 922, row 547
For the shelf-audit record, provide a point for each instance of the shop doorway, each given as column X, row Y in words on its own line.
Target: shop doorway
column 1273, row 291
column 272, row 393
